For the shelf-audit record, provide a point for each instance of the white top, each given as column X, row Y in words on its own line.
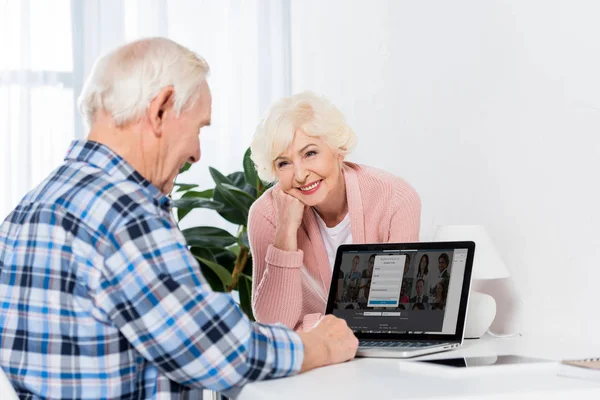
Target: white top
column 334, row 237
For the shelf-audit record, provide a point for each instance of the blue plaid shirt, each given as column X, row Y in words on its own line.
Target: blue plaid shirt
column 101, row 297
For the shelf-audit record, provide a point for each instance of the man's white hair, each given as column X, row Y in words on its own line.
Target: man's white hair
column 312, row 113
column 124, row 82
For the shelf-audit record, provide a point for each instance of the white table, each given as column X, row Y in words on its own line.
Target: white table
column 370, row 378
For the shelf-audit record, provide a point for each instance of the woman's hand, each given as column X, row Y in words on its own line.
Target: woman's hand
column 289, row 211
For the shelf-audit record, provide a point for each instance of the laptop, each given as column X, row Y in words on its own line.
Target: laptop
column 403, row 299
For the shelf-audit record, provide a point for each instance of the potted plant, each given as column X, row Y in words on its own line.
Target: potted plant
column 225, row 259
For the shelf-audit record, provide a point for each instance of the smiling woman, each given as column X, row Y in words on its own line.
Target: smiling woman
column 319, row 202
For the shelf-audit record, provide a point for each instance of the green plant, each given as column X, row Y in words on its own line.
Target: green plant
column 225, row 259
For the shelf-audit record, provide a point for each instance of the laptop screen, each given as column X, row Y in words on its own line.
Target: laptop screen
column 400, row 291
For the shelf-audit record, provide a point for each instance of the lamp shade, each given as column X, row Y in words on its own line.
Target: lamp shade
column 487, row 263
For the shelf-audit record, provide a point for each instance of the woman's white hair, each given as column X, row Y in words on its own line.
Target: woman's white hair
column 124, row 82
column 312, row 113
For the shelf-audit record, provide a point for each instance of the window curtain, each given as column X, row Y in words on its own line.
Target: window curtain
column 50, row 47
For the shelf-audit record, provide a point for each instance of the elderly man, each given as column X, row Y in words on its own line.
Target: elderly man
column 100, row 296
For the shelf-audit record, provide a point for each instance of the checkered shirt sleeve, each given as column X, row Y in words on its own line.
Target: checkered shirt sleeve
column 197, row 337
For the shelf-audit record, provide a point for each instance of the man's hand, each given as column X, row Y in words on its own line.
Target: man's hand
column 329, row 342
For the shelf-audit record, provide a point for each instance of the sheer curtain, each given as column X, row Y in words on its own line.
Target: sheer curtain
column 48, row 48
column 36, row 93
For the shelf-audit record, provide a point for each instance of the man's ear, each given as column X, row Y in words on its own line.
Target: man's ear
column 159, row 106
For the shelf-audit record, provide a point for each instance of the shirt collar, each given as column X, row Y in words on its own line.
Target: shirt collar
column 101, row 156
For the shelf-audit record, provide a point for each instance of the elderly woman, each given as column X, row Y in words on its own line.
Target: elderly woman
column 319, row 202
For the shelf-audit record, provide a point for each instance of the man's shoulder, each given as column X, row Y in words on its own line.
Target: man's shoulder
column 92, row 196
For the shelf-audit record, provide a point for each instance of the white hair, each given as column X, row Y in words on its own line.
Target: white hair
column 124, row 82
column 312, row 113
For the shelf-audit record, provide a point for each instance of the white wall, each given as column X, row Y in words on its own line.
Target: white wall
column 247, row 49
column 492, row 111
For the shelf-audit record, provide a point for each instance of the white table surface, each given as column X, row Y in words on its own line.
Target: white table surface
column 370, row 378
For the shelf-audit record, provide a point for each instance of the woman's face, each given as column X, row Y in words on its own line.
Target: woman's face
column 309, row 170
column 371, row 265
column 422, row 263
column 355, row 262
column 439, row 292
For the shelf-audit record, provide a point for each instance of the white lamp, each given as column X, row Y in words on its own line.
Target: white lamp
column 487, row 264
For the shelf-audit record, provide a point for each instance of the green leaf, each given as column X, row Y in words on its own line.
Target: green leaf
column 250, row 170
column 233, row 199
column 245, row 288
column 238, row 204
column 248, row 197
column 185, row 168
column 221, row 272
column 239, row 180
column 189, row 203
column 183, row 210
column 211, row 277
column 235, row 249
column 219, row 177
column 182, row 187
column 226, row 258
column 208, row 236
column 232, row 215
column 229, row 212
column 205, row 194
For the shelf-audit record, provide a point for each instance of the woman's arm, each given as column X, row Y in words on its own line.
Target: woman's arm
column 405, row 223
column 276, row 276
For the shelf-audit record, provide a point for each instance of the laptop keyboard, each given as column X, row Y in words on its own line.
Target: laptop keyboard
column 387, row 343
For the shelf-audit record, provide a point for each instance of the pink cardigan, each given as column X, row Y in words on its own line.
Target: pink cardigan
column 293, row 287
